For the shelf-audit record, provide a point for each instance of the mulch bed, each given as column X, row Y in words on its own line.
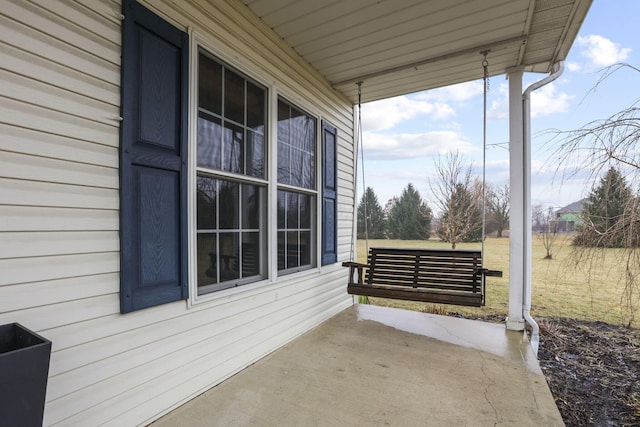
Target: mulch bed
column 593, row 371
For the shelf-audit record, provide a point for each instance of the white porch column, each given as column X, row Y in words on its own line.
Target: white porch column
column 519, row 209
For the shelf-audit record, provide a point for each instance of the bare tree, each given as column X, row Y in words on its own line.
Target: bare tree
column 456, row 195
column 596, row 147
column 548, row 232
column 497, row 205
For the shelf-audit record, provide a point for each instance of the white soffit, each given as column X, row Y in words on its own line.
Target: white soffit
column 397, row 47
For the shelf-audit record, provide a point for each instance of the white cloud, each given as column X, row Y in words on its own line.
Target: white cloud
column 454, row 93
column 545, row 101
column 573, row 66
column 601, row 51
column 412, row 146
column 387, row 113
column 498, row 108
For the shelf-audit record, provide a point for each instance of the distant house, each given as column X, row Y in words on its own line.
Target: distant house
column 570, row 216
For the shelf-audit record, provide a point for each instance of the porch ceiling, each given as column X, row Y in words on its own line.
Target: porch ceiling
column 402, row 46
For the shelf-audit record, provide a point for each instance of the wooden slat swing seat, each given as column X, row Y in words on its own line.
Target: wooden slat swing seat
column 443, row 276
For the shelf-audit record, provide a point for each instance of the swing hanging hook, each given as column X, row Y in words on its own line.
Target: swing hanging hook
column 485, row 66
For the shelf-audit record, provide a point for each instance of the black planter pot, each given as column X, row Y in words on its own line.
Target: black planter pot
column 24, row 368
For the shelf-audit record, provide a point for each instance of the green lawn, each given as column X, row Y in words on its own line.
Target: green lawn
column 558, row 290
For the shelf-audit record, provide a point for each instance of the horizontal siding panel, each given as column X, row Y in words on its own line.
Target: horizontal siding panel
column 160, row 397
column 218, row 310
column 25, row 270
column 28, row 193
column 30, row 244
column 33, row 218
column 237, row 346
column 40, row 318
column 27, row 167
column 52, row 98
column 27, row 141
column 29, row 295
column 195, row 326
column 109, row 10
column 34, row 41
column 45, row 70
column 104, row 26
column 20, row 114
column 63, row 29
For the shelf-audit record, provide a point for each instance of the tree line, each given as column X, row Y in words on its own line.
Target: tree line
column 610, row 217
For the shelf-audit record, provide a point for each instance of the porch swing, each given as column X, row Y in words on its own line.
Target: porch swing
column 442, row 276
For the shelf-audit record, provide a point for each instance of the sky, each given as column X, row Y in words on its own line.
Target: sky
column 404, row 136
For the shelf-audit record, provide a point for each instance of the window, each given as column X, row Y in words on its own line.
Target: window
column 296, row 189
column 230, row 177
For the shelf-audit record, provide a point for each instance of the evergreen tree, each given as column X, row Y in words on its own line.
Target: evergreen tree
column 376, row 223
column 604, row 211
column 409, row 218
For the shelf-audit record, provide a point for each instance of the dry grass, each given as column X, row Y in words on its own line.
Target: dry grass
column 558, row 290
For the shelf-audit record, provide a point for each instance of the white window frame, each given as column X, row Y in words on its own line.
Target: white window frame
column 223, row 53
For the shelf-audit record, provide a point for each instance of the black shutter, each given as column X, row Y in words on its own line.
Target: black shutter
column 153, row 148
column 329, row 195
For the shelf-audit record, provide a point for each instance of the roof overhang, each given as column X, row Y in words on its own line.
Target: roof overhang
column 397, row 47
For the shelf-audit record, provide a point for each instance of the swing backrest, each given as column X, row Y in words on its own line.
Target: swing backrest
column 444, row 276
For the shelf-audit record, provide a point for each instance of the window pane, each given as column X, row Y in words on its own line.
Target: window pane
column 255, row 154
column 229, row 257
column 233, row 148
column 209, row 85
column 233, row 96
column 250, row 207
column 296, row 167
column 296, row 147
column 282, row 209
column 207, row 259
column 231, row 224
column 250, row 254
column 284, row 115
column 305, row 248
column 209, row 141
column 282, row 250
column 305, row 211
column 229, row 205
column 307, row 173
column 284, row 156
column 292, row 249
column 308, row 143
column 206, row 203
column 292, row 210
column 255, row 107
column 298, row 128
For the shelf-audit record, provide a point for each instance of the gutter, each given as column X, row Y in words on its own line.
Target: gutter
column 526, row 282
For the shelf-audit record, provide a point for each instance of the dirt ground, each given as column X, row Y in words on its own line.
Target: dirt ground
column 593, row 370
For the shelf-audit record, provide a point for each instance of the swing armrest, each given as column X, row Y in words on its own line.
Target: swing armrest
column 353, row 267
column 492, row 273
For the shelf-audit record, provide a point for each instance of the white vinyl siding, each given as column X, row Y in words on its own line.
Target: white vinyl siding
column 59, row 215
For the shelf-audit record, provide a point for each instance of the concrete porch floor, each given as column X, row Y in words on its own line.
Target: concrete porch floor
column 377, row 366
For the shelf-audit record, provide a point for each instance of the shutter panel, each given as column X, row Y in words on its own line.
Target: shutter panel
column 153, row 181
column 329, row 195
